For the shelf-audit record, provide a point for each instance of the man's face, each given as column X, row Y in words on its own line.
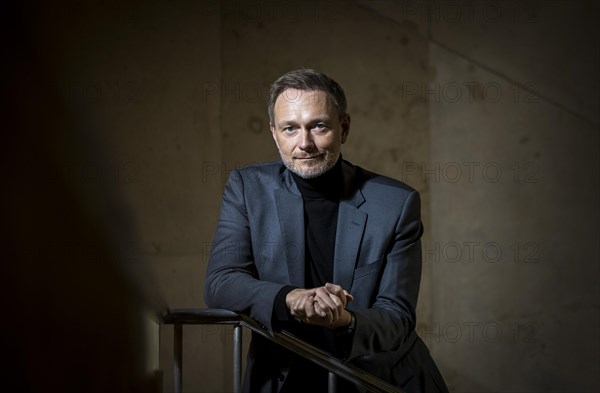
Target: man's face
column 308, row 132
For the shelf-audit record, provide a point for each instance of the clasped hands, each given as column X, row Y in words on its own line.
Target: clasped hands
column 323, row 306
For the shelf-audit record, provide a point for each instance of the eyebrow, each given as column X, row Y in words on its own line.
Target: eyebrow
column 318, row 119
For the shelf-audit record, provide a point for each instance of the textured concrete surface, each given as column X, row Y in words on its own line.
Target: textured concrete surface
column 510, row 242
column 489, row 109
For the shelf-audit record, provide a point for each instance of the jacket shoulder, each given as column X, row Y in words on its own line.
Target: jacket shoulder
column 265, row 173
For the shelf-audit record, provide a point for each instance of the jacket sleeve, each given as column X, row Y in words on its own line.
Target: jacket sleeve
column 231, row 279
column 388, row 323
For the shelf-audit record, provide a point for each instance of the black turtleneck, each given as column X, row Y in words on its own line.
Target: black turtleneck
column 321, row 196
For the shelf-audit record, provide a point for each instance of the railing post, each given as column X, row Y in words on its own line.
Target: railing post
column 177, row 357
column 331, row 383
column 338, row 369
column 237, row 358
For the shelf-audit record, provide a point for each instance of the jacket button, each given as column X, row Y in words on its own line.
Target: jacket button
column 281, row 377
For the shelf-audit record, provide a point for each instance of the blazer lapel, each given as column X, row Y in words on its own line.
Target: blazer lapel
column 350, row 228
column 290, row 210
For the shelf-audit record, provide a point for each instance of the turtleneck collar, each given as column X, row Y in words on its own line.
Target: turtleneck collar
column 326, row 186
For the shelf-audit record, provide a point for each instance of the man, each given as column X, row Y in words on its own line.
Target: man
column 322, row 248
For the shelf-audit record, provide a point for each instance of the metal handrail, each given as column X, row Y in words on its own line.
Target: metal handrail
column 335, row 366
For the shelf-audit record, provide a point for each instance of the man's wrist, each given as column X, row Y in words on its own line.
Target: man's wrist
column 280, row 310
column 344, row 336
column 344, row 321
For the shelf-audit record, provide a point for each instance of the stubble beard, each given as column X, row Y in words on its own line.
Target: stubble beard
column 311, row 172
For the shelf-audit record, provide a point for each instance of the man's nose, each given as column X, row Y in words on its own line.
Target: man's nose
column 306, row 140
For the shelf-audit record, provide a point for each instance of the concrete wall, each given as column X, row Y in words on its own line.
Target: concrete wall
column 489, row 109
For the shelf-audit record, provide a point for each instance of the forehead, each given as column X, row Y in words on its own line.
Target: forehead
column 292, row 101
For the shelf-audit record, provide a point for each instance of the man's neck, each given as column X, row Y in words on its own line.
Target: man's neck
column 328, row 185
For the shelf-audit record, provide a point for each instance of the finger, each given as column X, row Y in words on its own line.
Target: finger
column 298, row 306
column 339, row 291
column 326, row 315
column 319, row 310
column 335, row 306
column 295, row 304
column 333, row 288
column 309, row 307
column 332, row 314
column 337, row 300
column 305, row 293
column 325, row 299
column 331, row 303
column 340, row 305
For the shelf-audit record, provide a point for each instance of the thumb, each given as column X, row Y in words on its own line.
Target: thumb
column 349, row 297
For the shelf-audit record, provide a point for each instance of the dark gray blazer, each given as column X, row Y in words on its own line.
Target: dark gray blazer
column 259, row 248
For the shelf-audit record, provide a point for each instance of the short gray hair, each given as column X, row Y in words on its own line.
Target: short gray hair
column 308, row 80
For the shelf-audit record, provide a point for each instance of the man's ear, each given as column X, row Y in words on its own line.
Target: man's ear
column 272, row 128
column 345, row 127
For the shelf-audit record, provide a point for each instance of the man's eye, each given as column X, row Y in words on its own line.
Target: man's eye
column 288, row 129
